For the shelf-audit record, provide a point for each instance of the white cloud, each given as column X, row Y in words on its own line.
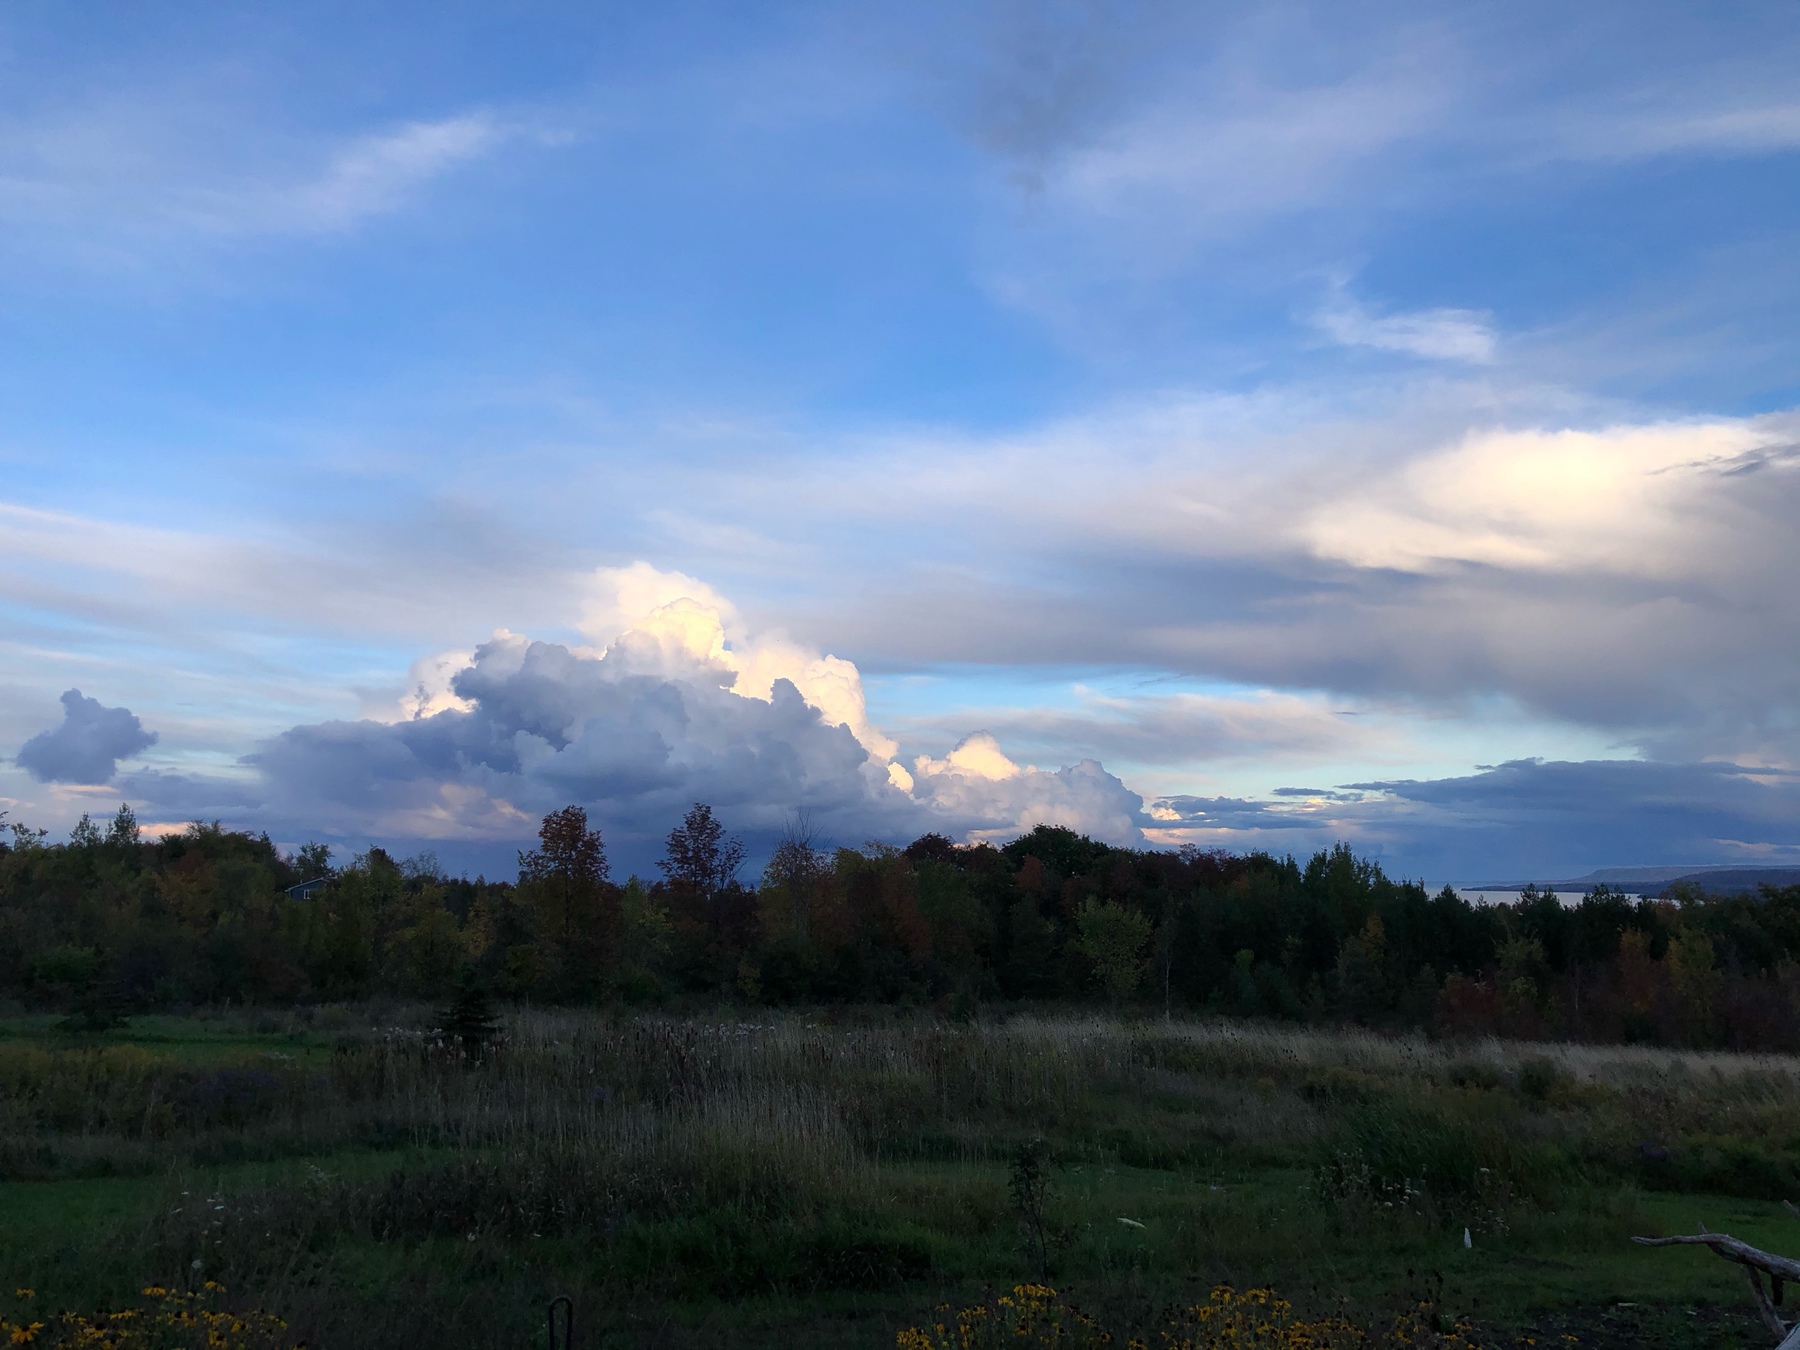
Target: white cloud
column 667, row 714
column 1082, row 797
column 618, row 599
column 118, row 177
column 375, row 173
column 977, row 756
column 686, row 621
column 1719, row 120
column 1631, row 500
column 1437, row 334
column 429, row 683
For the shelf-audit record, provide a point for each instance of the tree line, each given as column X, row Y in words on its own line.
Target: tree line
column 109, row 923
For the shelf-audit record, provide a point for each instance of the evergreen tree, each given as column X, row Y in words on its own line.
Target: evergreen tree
column 470, row 1020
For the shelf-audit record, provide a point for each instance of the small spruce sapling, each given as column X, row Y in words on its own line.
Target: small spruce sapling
column 470, row 1020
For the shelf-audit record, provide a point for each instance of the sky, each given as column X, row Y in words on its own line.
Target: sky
column 1248, row 426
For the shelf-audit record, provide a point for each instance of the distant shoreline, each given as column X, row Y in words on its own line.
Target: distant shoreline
column 1640, row 881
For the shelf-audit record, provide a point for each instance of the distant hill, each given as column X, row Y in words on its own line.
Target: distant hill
column 1736, row 880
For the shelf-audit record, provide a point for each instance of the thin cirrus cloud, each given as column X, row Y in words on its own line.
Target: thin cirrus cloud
column 112, row 178
column 1174, row 729
column 1267, row 151
column 1465, row 335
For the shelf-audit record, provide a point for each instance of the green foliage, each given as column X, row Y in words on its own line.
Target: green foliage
column 205, row 916
column 1113, row 938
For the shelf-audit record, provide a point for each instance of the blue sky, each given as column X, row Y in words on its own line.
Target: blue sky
column 1299, row 411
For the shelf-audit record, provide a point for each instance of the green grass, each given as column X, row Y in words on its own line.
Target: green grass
column 699, row 1183
column 230, row 1039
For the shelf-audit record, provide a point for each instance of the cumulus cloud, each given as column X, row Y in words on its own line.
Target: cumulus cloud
column 689, row 622
column 661, row 716
column 669, row 711
column 977, row 782
column 87, row 746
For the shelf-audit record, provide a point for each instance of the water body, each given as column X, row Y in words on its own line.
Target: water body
column 1638, row 882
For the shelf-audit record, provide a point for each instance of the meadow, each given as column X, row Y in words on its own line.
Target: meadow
column 804, row 1180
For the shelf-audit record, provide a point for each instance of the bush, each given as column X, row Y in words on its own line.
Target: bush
column 1442, row 1166
column 1537, row 1078
column 1754, row 1169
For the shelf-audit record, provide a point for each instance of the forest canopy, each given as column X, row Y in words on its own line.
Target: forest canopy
column 109, row 924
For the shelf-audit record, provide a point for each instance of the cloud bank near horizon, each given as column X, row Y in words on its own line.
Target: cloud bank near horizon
column 666, row 712
column 675, row 701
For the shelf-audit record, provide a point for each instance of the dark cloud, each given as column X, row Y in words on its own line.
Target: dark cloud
column 1240, row 815
column 635, row 736
column 1523, row 818
column 89, row 744
column 1532, row 817
column 546, row 726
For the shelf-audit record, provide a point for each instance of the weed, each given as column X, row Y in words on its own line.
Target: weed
column 164, row 1319
column 1029, row 1188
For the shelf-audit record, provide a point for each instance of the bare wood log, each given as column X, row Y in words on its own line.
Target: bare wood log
column 1756, row 1263
column 1731, row 1249
column 1770, row 1317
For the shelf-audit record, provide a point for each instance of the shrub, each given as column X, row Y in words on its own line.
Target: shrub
column 1537, row 1079
column 1439, row 1165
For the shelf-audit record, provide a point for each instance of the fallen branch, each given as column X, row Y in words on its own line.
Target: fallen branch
column 1756, row 1264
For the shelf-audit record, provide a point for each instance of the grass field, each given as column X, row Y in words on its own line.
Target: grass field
column 813, row 1182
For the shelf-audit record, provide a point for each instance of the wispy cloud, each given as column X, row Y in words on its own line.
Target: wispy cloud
column 1185, row 729
column 1437, row 334
column 109, row 181
column 1715, row 121
column 376, row 173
